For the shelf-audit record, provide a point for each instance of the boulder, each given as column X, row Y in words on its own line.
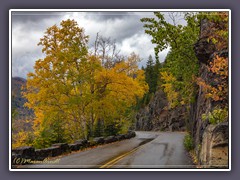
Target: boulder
column 83, row 142
column 110, row 139
column 18, row 159
column 63, row 146
column 132, row 133
column 48, row 152
column 99, row 140
column 23, row 155
column 75, row 146
column 127, row 136
column 26, row 151
column 56, row 151
column 120, row 137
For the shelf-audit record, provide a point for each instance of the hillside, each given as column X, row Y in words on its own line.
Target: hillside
column 22, row 113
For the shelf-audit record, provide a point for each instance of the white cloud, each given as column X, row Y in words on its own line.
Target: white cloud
column 25, row 37
column 139, row 43
column 125, row 28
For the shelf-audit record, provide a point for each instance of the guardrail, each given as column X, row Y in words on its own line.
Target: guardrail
column 25, row 155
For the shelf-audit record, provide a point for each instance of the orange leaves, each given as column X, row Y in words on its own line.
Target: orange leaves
column 219, row 92
column 209, row 91
column 219, row 66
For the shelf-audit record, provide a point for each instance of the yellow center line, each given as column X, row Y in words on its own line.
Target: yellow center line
column 114, row 161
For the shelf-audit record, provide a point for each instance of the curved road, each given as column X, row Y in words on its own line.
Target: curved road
column 146, row 150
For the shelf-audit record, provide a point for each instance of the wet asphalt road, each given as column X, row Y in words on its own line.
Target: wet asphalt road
column 146, row 150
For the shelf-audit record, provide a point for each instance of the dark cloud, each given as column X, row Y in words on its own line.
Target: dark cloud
column 33, row 16
column 105, row 16
column 22, row 65
column 119, row 26
column 124, row 27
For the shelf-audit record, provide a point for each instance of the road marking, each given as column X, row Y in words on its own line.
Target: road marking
column 116, row 160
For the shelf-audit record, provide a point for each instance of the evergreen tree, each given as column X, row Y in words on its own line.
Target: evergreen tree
column 156, row 69
column 152, row 74
column 181, row 66
column 149, row 74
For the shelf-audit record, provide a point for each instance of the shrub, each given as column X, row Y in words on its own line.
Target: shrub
column 218, row 115
column 188, row 142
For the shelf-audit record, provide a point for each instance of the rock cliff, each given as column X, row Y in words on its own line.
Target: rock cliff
column 211, row 141
column 156, row 116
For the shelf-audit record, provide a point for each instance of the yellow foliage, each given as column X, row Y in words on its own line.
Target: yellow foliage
column 168, row 87
column 70, row 90
column 20, row 139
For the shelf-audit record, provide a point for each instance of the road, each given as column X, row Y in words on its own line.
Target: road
column 146, row 150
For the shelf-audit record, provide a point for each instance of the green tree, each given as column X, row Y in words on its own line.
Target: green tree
column 181, row 61
column 156, row 76
column 149, row 74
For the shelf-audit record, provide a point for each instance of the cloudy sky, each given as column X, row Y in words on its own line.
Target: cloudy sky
column 124, row 27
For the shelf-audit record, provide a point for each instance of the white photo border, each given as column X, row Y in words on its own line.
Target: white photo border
column 115, row 10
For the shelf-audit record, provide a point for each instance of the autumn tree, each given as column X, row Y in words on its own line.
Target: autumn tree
column 118, row 89
column 72, row 93
column 55, row 90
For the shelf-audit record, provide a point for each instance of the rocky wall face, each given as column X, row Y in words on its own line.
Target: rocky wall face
column 157, row 117
column 200, row 106
column 203, row 105
column 214, row 148
column 211, row 141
